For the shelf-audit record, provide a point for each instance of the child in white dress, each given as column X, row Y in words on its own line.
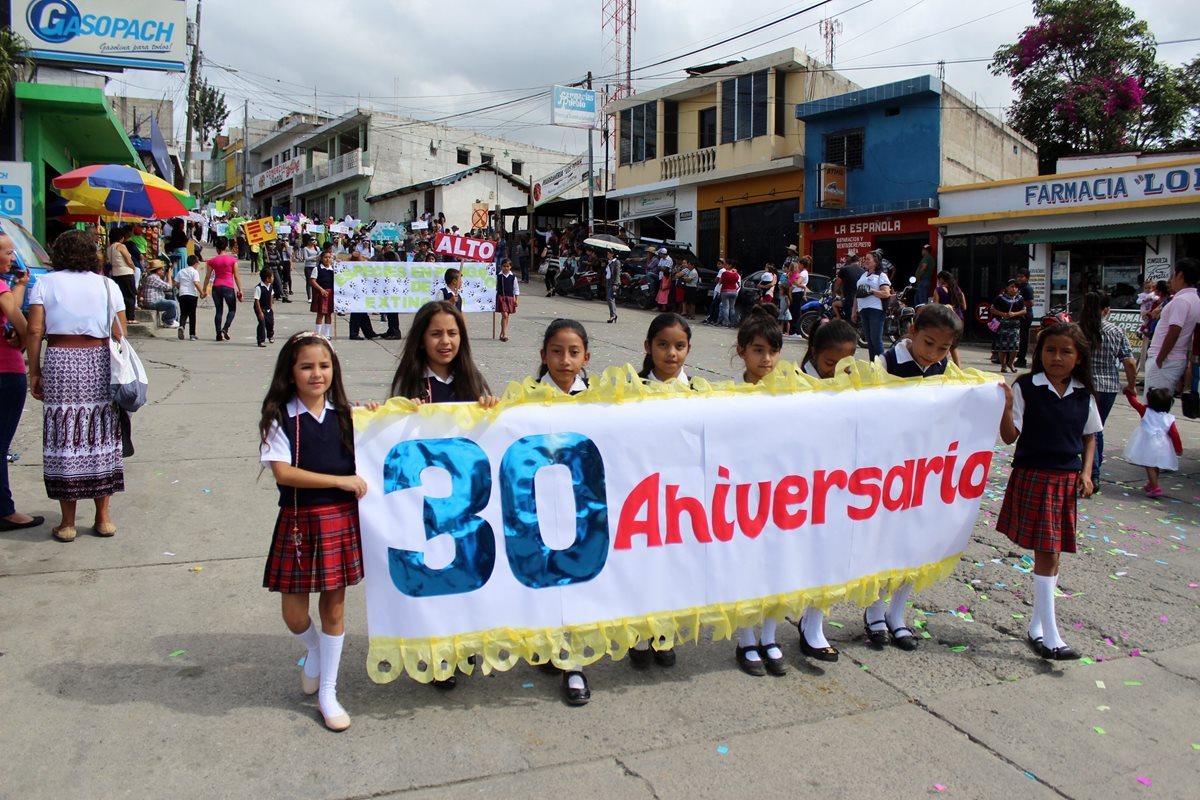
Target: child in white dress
column 1155, row 445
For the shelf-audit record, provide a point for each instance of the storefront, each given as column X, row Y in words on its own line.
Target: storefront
column 751, row 220
column 1104, row 228
column 901, row 236
column 64, row 127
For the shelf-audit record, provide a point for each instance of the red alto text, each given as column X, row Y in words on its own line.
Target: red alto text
column 659, row 512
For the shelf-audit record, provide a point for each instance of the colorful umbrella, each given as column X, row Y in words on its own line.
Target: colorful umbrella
column 124, row 191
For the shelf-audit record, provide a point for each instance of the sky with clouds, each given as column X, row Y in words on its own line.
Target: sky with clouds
column 431, row 60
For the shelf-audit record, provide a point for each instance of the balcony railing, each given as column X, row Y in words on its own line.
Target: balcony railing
column 696, row 162
column 355, row 161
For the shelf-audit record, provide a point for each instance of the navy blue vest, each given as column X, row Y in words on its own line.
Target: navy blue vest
column 324, row 276
column 1051, row 428
column 506, row 285
column 910, row 369
column 320, row 451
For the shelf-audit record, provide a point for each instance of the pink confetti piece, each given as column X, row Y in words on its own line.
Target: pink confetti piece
column 1163, row 618
column 939, row 787
column 1078, row 626
column 1134, row 653
column 1144, row 781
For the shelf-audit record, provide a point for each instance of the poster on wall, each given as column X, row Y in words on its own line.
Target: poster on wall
column 1060, row 277
column 1037, row 281
column 833, row 186
column 1158, row 267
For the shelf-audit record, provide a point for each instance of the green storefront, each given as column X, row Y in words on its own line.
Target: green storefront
column 62, row 128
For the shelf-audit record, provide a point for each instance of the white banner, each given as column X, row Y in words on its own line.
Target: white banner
column 584, row 523
column 561, row 180
column 278, row 174
column 405, row 286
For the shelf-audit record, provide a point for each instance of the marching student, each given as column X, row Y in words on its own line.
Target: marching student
column 262, row 307
column 1052, row 416
column 565, row 357
column 830, row 342
column 321, row 282
column 436, row 367
column 307, row 438
column 1155, row 445
column 668, row 342
column 187, row 281
column 935, row 332
column 507, row 292
column 451, row 291
column 759, row 341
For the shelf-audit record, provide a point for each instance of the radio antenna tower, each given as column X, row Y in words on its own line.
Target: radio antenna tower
column 830, row 30
column 620, row 21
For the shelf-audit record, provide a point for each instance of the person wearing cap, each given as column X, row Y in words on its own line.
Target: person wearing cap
column 156, row 289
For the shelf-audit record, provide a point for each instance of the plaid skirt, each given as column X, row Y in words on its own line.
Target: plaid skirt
column 81, row 437
column 328, row 555
column 1039, row 509
column 321, row 303
column 506, row 304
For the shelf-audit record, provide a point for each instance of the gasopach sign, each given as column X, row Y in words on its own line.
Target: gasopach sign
column 141, row 34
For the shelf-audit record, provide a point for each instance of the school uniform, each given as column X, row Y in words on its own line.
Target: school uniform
column 323, row 303
column 507, row 292
column 899, row 361
column 578, row 386
column 1039, row 504
column 437, row 389
column 652, row 378
column 810, row 369
column 266, row 325
column 452, row 298
column 316, row 545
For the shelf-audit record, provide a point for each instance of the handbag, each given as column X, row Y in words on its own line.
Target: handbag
column 994, row 324
column 127, row 376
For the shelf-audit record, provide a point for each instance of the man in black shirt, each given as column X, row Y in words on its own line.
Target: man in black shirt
column 847, row 284
column 1026, row 293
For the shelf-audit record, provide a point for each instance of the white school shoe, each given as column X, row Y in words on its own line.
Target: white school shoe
column 337, row 724
column 309, row 686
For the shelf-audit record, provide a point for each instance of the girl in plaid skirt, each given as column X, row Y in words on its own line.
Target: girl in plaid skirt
column 308, row 440
column 1052, row 416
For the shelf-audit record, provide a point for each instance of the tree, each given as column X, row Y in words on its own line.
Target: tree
column 1191, row 93
column 14, row 62
column 1088, row 81
column 208, row 116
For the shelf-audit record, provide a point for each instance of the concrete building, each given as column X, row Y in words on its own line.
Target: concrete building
column 371, row 154
column 717, row 159
column 454, row 195
column 276, row 159
column 1099, row 223
column 874, row 159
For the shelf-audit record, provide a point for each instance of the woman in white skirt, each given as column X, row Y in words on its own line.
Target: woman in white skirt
column 77, row 309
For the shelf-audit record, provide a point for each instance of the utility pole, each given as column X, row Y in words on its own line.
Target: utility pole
column 246, row 156
column 191, row 104
column 591, row 171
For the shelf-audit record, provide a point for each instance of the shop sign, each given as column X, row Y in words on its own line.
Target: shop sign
column 857, row 236
column 646, row 204
column 277, row 174
column 573, row 107
column 1037, row 280
column 1130, row 322
column 141, row 34
column 1145, row 184
column 561, row 180
column 833, row 186
column 16, row 190
column 1158, row 266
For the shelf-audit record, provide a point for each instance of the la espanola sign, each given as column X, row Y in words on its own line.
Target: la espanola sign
column 464, row 247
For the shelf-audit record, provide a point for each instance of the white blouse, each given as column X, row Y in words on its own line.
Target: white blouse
column 75, row 302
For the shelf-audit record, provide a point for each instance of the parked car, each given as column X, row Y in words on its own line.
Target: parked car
column 28, row 253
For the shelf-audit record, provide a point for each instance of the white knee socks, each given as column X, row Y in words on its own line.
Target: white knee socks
column 768, row 630
column 895, row 612
column 813, row 623
column 311, row 639
column 331, row 657
column 1043, row 609
column 746, row 638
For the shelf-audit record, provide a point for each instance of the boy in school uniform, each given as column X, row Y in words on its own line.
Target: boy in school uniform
column 262, row 308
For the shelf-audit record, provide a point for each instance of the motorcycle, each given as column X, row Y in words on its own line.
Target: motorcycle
column 572, row 280
column 901, row 312
column 813, row 312
column 1055, row 315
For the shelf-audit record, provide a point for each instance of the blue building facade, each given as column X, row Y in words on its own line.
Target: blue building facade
column 887, row 139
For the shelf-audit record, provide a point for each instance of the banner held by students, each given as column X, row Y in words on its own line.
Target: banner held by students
column 567, row 528
column 405, row 286
column 259, row 231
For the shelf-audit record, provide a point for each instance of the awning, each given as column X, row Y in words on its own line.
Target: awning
column 1098, row 232
column 661, row 212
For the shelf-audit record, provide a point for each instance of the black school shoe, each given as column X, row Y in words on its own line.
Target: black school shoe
column 576, row 697
column 829, row 653
column 748, row 666
column 877, row 639
column 907, row 643
column 639, row 659
column 665, row 658
column 1064, row 653
column 775, row 666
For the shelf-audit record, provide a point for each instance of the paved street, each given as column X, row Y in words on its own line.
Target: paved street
column 154, row 665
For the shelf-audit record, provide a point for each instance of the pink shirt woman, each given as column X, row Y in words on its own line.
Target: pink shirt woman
column 226, row 287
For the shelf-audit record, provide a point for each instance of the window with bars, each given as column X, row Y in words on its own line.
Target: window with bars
column 639, row 134
column 744, row 107
column 845, row 148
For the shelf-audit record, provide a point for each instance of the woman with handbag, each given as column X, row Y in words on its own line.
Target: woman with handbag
column 77, row 310
column 1005, row 323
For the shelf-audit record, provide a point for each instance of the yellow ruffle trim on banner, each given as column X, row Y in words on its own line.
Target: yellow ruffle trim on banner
column 623, row 385
column 575, row 646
